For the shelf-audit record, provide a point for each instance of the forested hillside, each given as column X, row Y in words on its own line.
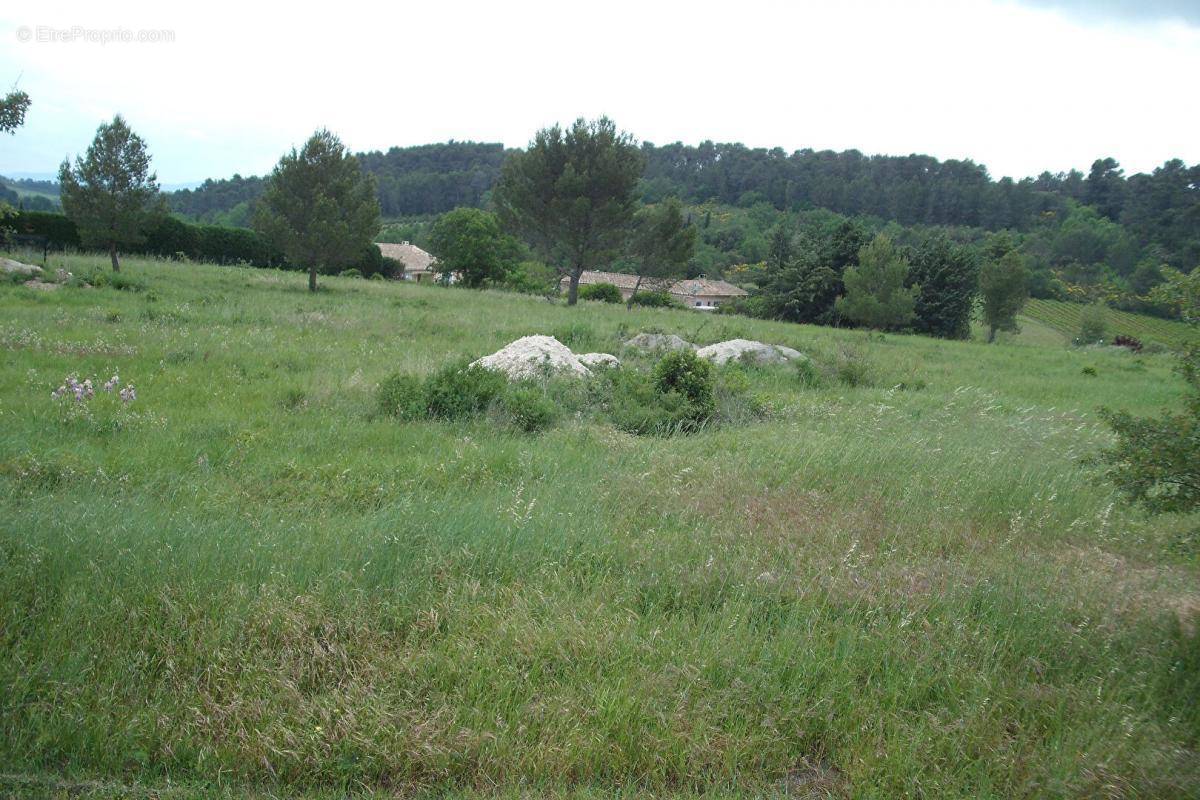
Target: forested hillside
column 427, row 179
column 1158, row 214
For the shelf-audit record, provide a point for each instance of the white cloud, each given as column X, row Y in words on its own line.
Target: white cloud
column 1021, row 89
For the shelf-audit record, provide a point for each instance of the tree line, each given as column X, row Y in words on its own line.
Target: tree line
column 1158, row 213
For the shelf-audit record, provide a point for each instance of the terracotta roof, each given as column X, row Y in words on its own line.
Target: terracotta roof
column 686, row 288
column 619, row 279
column 412, row 257
column 703, row 286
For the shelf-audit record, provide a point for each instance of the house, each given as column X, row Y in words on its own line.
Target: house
column 419, row 265
column 703, row 294
column 700, row 294
column 621, row 280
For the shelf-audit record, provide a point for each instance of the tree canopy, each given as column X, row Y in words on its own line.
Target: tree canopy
column 571, row 195
column 110, row 193
column 469, row 243
column 1003, row 289
column 876, row 294
column 319, row 207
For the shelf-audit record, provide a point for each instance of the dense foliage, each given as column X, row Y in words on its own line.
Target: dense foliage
column 601, row 293
column 571, row 195
column 876, row 295
column 1003, row 290
column 469, row 243
column 319, row 208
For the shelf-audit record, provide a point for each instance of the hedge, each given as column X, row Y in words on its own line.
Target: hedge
column 171, row 237
column 59, row 231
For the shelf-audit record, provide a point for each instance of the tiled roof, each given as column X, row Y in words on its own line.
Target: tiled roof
column 412, row 257
column 686, row 288
column 704, row 286
column 619, row 279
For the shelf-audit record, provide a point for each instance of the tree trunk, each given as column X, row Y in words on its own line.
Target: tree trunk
column 573, row 287
column 991, row 333
column 112, row 253
column 312, row 279
column 633, row 294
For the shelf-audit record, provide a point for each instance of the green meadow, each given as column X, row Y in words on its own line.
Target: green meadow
column 902, row 580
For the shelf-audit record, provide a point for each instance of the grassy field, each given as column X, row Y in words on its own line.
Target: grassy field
column 247, row 583
column 1064, row 318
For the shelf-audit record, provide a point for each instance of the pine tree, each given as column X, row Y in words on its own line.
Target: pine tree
column 319, row 207
column 111, row 195
column 875, row 292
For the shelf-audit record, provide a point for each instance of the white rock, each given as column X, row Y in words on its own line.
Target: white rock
column 8, row 265
column 659, row 341
column 533, row 357
column 749, row 351
column 602, row 360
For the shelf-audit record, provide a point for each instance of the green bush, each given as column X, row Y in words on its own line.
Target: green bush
column 459, row 391
column 401, row 396
column 350, row 273
column 677, row 397
column 685, row 372
column 528, row 407
column 637, row 407
column 655, row 300
column 601, row 292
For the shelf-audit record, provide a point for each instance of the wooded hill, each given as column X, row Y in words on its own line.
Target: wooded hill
column 1159, row 211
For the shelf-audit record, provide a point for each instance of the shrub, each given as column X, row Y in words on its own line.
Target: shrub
column 602, row 292
column 685, row 372
column 350, row 273
column 1133, row 344
column 678, row 396
column 1155, row 461
column 637, row 407
column 528, row 407
column 459, row 391
column 654, row 300
column 401, row 396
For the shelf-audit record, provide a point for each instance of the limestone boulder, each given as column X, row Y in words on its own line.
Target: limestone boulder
column 749, row 351
column 534, row 357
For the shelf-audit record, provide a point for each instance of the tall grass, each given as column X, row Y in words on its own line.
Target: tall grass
column 251, row 582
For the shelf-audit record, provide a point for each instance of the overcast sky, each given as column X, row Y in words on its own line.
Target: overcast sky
column 1019, row 85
